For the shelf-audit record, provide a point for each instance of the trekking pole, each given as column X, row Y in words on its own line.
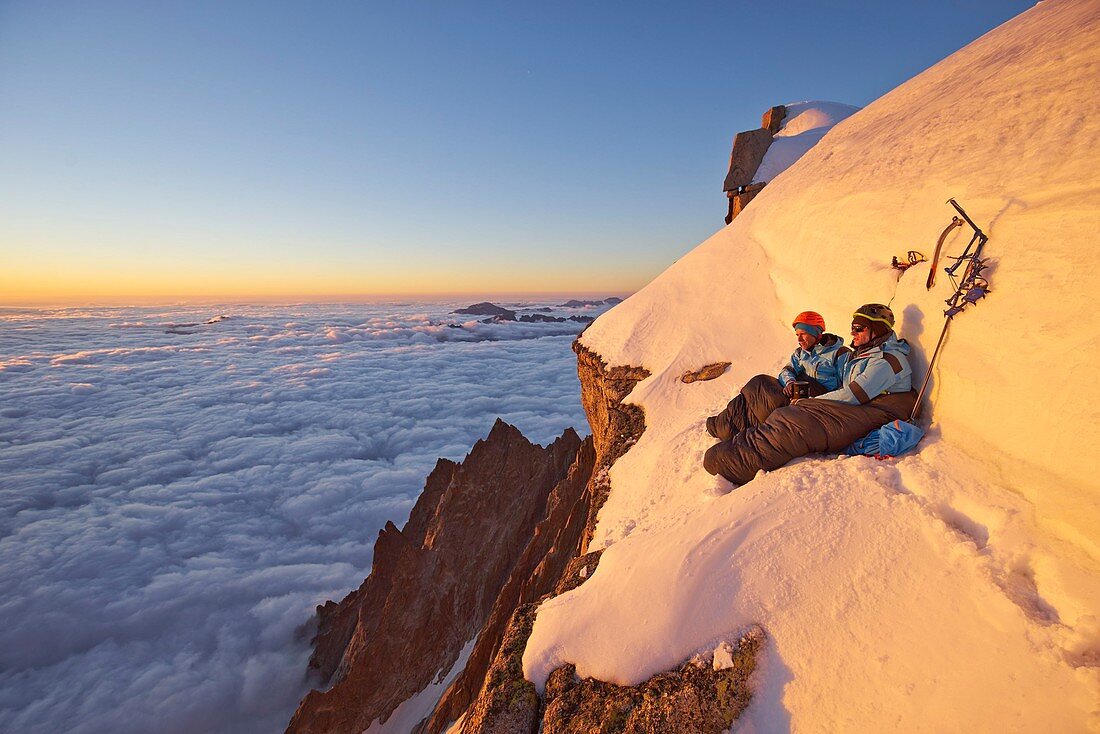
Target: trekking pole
column 928, row 375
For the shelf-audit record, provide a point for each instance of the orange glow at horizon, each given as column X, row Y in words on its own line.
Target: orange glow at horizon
column 67, row 267
column 76, row 286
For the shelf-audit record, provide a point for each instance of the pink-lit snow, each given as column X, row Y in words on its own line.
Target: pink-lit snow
column 956, row 588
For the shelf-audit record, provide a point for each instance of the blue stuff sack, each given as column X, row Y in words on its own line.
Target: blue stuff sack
column 891, row 440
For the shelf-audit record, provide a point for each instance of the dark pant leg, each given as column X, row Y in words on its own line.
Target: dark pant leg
column 751, row 407
column 729, row 421
column 807, row 427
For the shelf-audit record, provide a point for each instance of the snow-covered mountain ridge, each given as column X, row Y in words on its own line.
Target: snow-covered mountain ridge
column 956, row 588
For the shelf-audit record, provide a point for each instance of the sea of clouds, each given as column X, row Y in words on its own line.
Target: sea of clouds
column 177, row 496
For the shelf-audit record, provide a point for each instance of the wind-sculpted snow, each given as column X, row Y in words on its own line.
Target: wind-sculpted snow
column 803, row 127
column 176, row 495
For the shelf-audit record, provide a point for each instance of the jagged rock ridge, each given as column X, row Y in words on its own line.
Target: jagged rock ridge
column 434, row 583
column 553, row 545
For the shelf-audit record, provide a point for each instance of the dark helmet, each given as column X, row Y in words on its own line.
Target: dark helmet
column 875, row 316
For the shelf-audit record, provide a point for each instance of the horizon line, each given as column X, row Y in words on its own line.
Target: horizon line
column 296, row 299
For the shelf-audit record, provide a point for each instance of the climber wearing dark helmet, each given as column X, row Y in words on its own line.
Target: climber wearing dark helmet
column 769, row 430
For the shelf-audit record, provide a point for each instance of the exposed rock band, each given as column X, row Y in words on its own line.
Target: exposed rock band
column 826, row 398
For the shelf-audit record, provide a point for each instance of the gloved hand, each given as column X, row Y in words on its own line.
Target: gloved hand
column 788, row 389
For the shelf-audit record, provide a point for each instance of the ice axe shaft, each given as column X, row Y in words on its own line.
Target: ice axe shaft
column 955, row 222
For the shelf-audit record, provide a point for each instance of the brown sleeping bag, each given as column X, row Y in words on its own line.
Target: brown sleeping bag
column 761, row 430
column 756, row 401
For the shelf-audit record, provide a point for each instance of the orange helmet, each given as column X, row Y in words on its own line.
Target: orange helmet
column 810, row 318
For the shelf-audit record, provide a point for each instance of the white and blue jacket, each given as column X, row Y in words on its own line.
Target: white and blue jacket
column 825, row 362
column 876, row 369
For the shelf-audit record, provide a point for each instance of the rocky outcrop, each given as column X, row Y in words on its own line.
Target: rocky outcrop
column 772, row 120
column 749, row 149
column 748, row 152
column 740, row 199
column 705, row 696
column 615, row 426
column 508, row 703
column 434, row 584
column 710, row 372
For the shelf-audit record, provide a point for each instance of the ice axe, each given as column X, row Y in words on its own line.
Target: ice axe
column 970, row 289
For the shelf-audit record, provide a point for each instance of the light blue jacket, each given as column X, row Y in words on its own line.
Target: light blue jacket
column 825, row 362
column 874, row 370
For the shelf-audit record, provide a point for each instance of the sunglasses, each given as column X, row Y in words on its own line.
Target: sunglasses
column 858, row 328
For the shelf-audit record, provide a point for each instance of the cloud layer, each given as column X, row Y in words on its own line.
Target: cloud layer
column 176, row 495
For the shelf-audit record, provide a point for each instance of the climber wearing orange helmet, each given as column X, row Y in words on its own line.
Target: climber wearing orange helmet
column 819, row 360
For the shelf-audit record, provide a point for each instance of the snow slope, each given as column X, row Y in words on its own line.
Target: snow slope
column 953, row 589
column 803, row 127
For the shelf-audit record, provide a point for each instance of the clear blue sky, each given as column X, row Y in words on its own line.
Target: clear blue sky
column 169, row 149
